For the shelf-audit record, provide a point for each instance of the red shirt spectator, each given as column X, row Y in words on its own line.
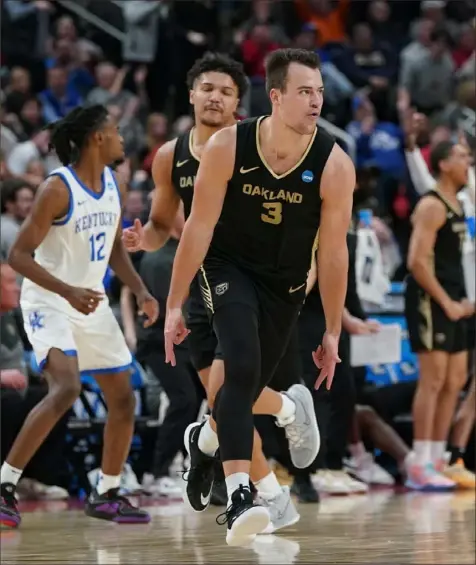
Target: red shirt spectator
column 255, row 49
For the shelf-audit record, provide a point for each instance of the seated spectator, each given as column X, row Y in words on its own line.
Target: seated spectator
column 366, row 62
column 58, row 99
column 156, row 136
column 384, row 29
column 418, row 47
column 379, row 143
column 24, row 153
column 328, row 17
column 17, row 199
column 427, row 82
column 255, row 49
column 48, row 466
column 31, row 118
column 465, row 46
column 18, row 90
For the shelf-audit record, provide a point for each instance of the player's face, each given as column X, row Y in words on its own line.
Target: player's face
column 214, row 99
column 300, row 104
column 111, row 142
column 457, row 165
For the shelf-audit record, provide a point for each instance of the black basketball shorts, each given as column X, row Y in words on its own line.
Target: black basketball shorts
column 224, row 283
column 429, row 328
column 202, row 342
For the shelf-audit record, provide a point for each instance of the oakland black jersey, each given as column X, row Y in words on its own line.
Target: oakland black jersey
column 447, row 255
column 269, row 222
column 184, row 170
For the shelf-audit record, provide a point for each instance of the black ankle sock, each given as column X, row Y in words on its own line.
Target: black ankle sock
column 456, row 453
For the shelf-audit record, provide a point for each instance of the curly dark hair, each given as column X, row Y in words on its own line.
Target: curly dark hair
column 69, row 135
column 219, row 63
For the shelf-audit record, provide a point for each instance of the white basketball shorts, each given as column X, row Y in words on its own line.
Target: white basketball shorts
column 96, row 340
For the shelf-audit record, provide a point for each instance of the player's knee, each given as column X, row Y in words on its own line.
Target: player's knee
column 66, row 392
column 434, row 383
column 366, row 415
column 455, row 382
column 123, row 406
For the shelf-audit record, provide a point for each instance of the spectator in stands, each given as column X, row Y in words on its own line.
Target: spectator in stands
column 33, row 150
column 465, row 46
column 460, row 114
column 17, row 198
column 384, row 29
column 156, row 136
column 370, row 64
column 48, row 464
column 31, row 118
column 254, row 50
column 18, row 90
column 263, row 13
column 418, row 47
column 58, row 99
column 110, row 86
column 427, row 81
column 328, row 17
column 379, row 143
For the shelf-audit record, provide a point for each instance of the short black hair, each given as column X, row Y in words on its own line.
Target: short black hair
column 439, row 153
column 219, row 63
column 440, row 34
column 69, row 135
column 9, row 190
column 278, row 62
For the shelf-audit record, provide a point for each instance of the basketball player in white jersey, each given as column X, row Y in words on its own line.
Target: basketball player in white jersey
column 74, row 232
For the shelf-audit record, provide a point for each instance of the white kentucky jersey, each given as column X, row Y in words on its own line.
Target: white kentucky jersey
column 77, row 248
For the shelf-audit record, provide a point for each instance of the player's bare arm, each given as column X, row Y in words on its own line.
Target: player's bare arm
column 51, row 203
column 165, row 204
column 215, row 170
column 121, row 264
column 337, row 188
column 428, row 218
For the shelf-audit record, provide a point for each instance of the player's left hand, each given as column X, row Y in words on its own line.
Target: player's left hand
column 326, row 358
column 149, row 307
column 374, row 326
column 175, row 331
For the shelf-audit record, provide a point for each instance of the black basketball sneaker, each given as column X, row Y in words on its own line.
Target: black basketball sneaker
column 200, row 477
column 244, row 518
column 114, row 508
column 9, row 515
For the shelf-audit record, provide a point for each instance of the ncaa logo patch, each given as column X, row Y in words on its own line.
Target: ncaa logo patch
column 307, row 176
column 221, row 288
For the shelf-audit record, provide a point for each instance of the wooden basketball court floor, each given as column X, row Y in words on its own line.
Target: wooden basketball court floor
column 381, row 527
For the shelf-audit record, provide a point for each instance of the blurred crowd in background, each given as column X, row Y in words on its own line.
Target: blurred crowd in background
column 393, row 72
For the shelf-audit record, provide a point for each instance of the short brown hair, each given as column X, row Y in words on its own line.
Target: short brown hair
column 278, row 62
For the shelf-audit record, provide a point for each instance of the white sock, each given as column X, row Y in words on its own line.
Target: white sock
column 234, row 481
column 9, row 474
column 208, row 440
column 357, row 450
column 268, row 486
column 107, row 482
column 288, row 409
column 422, row 450
column 438, row 449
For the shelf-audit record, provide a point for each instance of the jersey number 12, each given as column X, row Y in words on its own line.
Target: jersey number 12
column 96, row 246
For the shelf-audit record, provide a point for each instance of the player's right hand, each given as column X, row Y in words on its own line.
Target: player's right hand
column 326, row 358
column 175, row 332
column 132, row 237
column 468, row 307
column 455, row 310
column 84, row 300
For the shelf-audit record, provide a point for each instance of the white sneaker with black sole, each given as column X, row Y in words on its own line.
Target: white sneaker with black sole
column 244, row 518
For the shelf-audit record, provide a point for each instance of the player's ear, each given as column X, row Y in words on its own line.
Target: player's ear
column 274, row 95
column 191, row 97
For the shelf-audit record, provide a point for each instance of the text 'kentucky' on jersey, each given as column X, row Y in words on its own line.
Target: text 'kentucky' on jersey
column 269, row 222
column 77, row 247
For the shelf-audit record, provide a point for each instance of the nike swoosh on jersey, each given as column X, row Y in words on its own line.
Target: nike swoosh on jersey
column 179, row 164
column 243, row 171
column 295, row 289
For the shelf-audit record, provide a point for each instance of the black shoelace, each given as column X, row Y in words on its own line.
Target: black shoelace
column 223, row 518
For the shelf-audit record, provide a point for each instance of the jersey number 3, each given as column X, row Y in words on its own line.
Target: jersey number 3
column 96, row 246
column 273, row 213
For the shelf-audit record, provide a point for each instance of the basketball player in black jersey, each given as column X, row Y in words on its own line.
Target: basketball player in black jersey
column 436, row 308
column 217, row 83
column 262, row 190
